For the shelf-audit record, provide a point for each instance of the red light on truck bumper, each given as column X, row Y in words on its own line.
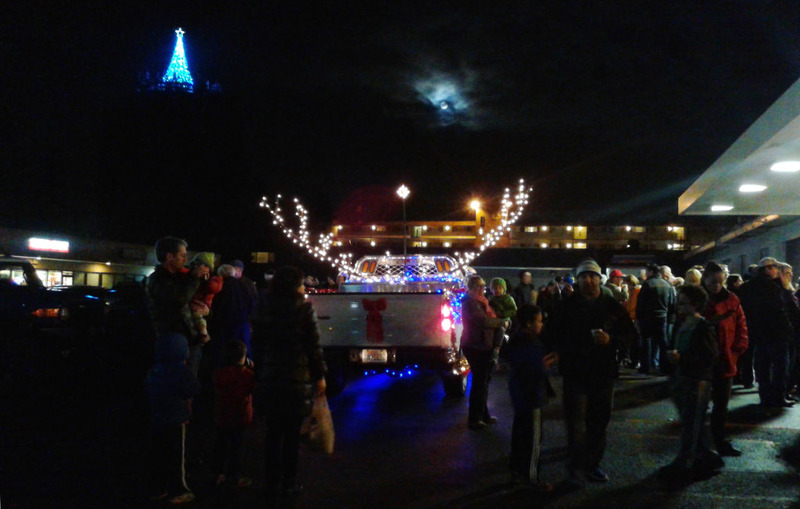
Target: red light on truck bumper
column 447, row 324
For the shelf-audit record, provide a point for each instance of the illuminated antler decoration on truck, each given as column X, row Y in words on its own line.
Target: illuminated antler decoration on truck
column 510, row 211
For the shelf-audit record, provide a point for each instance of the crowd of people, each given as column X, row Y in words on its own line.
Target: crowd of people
column 251, row 351
column 258, row 352
column 706, row 331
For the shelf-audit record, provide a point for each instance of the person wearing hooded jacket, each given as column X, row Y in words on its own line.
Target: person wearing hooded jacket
column 724, row 311
column 170, row 385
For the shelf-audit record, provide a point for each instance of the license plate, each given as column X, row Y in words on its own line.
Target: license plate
column 381, row 356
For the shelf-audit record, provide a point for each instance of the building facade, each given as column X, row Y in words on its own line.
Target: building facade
column 456, row 235
column 62, row 259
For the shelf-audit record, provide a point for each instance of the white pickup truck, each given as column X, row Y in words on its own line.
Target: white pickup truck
column 395, row 313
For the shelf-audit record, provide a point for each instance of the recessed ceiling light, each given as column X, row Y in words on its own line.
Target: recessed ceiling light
column 751, row 188
column 786, row 166
column 721, row 208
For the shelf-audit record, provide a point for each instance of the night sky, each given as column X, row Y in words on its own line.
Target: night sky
column 610, row 112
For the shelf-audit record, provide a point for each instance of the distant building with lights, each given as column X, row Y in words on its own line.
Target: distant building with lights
column 468, row 235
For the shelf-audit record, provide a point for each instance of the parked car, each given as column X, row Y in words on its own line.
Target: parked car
column 21, row 294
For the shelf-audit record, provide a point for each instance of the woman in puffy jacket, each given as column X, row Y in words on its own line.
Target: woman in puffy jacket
column 290, row 370
column 725, row 311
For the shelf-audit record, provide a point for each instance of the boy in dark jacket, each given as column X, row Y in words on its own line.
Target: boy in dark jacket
column 530, row 391
column 170, row 386
column 695, row 354
column 234, row 384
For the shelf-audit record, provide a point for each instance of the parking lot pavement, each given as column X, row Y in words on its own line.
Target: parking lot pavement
column 399, row 444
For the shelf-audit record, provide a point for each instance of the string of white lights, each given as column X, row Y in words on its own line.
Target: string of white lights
column 510, row 211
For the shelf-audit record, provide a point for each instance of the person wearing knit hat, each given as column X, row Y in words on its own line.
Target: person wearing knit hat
column 587, row 331
column 502, row 303
column 588, row 265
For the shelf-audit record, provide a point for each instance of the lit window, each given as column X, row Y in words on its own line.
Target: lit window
column 530, row 229
column 580, row 245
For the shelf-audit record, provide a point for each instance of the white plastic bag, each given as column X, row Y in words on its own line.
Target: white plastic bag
column 319, row 426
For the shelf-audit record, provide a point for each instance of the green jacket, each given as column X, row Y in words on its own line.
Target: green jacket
column 503, row 305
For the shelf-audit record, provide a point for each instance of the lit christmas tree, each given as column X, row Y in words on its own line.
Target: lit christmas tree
column 178, row 75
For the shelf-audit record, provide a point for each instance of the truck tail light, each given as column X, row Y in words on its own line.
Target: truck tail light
column 447, row 324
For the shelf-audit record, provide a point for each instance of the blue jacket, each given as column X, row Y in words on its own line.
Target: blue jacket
column 527, row 382
column 169, row 383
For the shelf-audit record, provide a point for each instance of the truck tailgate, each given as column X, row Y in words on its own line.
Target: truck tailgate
column 381, row 319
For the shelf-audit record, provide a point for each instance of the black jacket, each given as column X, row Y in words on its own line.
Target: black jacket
column 168, row 298
column 569, row 332
column 288, row 356
column 700, row 360
column 765, row 311
column 656, row 300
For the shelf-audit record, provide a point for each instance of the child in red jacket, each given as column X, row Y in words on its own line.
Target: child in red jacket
column 201, row 303
column 234, row 384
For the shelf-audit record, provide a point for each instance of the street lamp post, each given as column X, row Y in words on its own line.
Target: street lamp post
column 403, row 193
column 476, row 206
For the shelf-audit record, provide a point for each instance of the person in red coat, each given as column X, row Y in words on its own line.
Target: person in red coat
column 725, row 311
column 234, row 384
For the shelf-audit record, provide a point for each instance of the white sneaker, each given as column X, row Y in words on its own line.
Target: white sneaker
column 182, row 498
